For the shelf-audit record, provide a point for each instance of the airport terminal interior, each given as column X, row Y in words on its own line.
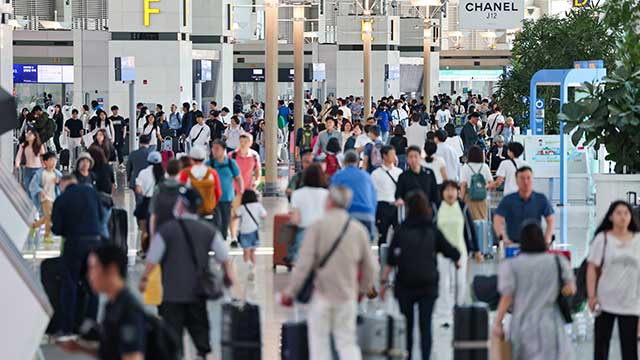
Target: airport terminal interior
column 483, row 155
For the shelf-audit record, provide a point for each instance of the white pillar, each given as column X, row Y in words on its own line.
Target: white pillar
column 6, row 83
column 367, row 28
column 298, row 65
column 426, row 68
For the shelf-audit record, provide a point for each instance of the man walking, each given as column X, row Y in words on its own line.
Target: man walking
column 385, row 180
column 228, row 173
column 333, row 308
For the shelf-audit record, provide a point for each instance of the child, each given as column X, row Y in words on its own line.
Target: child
column 44, row 190
column 332, row 157
column 508, row 130
column 251, row 213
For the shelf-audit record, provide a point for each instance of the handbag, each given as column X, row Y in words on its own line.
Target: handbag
column 209, row 286
column 304, row 295
column 564, row 302
column 501, row 349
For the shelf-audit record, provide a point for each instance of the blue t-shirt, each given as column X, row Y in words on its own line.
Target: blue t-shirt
column 365, row 197
column 284, row 112
column 227, row 171
column 518, row 212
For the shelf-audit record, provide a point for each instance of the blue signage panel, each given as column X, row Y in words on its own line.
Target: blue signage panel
column 539, row 116
column 42, row 74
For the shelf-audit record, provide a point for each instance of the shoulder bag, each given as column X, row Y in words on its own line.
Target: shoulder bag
column 209, row 286
column 564, row 302
column 304, row 295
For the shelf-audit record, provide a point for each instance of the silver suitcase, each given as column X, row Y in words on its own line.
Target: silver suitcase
column 382, row 336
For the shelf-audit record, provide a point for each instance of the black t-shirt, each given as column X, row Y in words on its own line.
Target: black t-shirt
column 89, row 180
column 74, row 126
column 104, row 178
column 118, row 123
column 59, row 119
column 123, row 328
column 216, row 128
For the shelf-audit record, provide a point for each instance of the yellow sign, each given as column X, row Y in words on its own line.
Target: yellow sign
column 580, row 3
column 148, row 10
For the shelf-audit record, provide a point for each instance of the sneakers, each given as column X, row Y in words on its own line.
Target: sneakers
column 252, row 273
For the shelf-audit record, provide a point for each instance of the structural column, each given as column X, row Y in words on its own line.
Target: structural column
column 6, row 83
column 271, row 101
column 366, row 60
column 298, row 65
column 426, row 70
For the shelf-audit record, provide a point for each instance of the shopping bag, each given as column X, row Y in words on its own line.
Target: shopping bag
column 153, row 293
column 500, row 348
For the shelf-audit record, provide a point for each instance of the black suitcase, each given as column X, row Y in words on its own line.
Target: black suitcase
column 294, row 341
column 119, row 228
column 51, row 278
column 65, row 157
column 471, row 332
column 241, row 335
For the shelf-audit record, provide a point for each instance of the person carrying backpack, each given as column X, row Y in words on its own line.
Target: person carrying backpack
column 304, row 137
column 204, row 179
column 164, row 197
column 475, row 180
column 373, row 151
column 331, row 157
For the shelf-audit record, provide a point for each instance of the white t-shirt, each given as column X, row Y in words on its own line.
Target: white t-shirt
column 443, row 117
column 146, row 181
column 416, row 135
column 508, row 172
column 398, row 114
column 456, row 144
column 467, row 170
column 451, row 160
column 233, row 137
column 310, row 202
column 247, row 225
column 493, row 120
column 203, row 138
column 385, row 187
column 151, row 130
column 618, row 288
column 436, row 166
column 346, row 112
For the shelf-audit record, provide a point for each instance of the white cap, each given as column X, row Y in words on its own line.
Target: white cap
column 198, row 153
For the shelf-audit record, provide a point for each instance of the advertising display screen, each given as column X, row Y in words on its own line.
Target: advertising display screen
column 206, row 70
column 42, row 74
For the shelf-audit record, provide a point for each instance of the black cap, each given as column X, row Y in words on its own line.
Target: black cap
column 190, row 198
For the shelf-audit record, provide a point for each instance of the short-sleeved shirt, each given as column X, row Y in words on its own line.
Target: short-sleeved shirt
column 436, row 166
column 507, row 171
column 247, row 165
column 309, row 200
column 247, row 223
column 227, row 171
column 146, row 181
column 468, row 170
column 618, row 289
column 75, row 127
column 123, row 328
column 518, row 212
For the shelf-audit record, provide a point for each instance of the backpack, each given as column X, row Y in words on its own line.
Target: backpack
column 165, row 201
column 333, row 165
column 206, row 187
column 307, row 139
column 375, row 159
column 477, row 186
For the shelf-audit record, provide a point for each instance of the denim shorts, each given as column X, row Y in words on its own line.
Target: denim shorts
column 249, row 241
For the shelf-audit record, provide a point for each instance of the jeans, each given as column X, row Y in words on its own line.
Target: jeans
column 402, row 162
column 384, row 136
column 222, row 217
column 74, row 269
column 386, row 217
column 425, row 309
column 327, row 318
column 292, row 252
column 627, row 329
column 193, row 317
column 369, row 223
column 27, row 176
column 104, row 231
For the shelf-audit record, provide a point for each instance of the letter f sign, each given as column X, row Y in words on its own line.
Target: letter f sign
column 148, row 11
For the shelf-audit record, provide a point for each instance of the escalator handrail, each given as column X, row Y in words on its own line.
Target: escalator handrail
column 16, row 195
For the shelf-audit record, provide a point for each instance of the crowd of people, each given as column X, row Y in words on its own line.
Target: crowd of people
column 411, row 177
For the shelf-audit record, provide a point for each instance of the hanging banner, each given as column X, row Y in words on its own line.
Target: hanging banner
column 483, row 15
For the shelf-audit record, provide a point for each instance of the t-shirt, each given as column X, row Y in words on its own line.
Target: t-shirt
column 152, row 131
column 247, row 164
column 362, row 140
column 451, row 224
column 416, row 135
column 75, row 127
column 443, row 116
column 227, row 171
column 518, row 212
column 146, row 181
column 310, row 202
column 508, row 172
column 618, row 288
column 247, row 225
column 346, row 112
column 49, row 184
column 123, row 328
column 466, row 172
column 436, row 166
column 233, row 137
column 200, row 135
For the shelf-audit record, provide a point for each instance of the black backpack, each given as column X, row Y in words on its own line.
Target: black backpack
column 165, row 201
column 415, row 251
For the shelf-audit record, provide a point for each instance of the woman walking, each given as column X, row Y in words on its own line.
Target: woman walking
column 613, row 281
column 536, row 330
column 29, row 155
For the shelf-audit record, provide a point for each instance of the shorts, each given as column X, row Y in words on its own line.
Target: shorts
column 249, row 241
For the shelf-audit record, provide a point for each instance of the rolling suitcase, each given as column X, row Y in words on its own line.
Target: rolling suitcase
column 294, row 341
column 50, row 276
column 470, row 330
column 284, row 234
column 484, row 232
column 119, row 228
column 382, row 335
column 485, row 289
column 65, row 158
column 240, row 334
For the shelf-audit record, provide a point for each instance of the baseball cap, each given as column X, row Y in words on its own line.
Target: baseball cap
column 154, row 157
column 197, row 153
